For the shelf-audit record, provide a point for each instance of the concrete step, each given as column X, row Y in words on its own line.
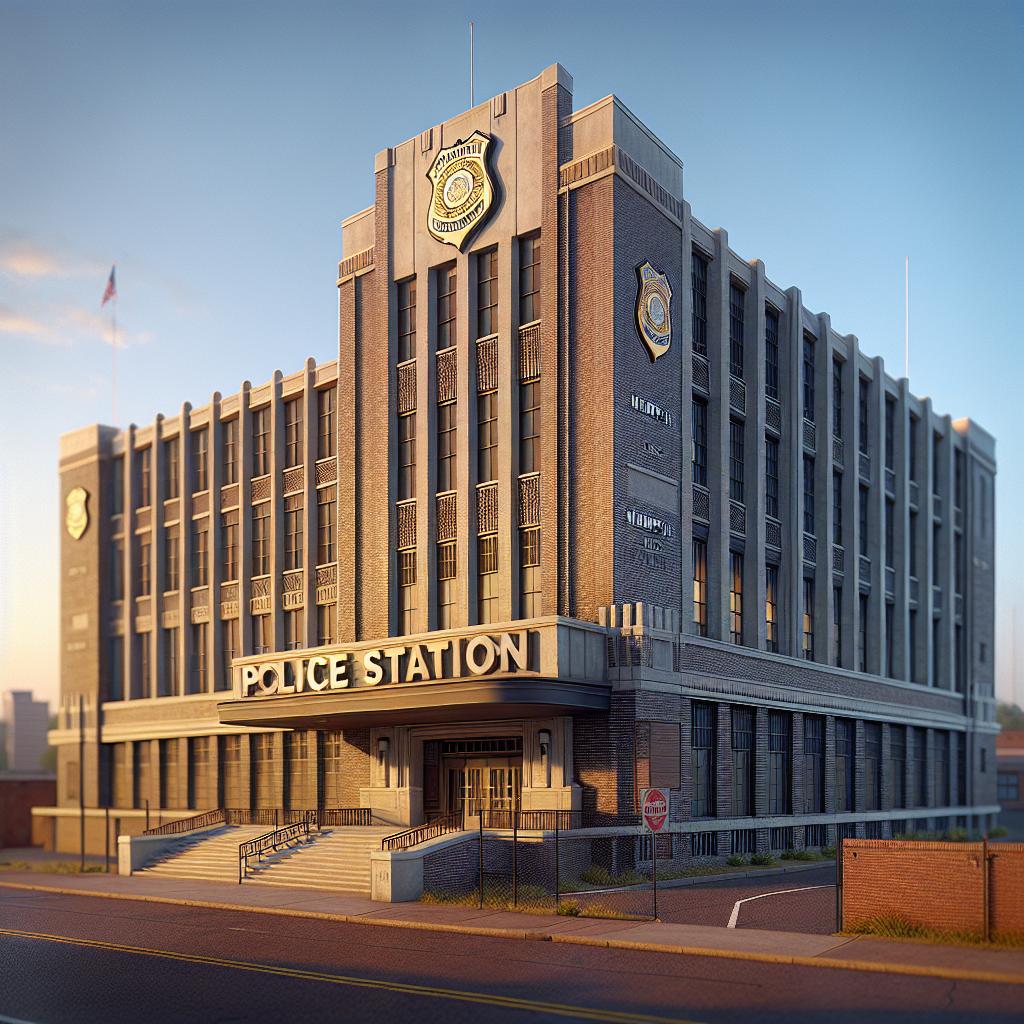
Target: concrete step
column 360, row 890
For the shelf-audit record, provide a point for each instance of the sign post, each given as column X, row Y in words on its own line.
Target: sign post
column 654, row 818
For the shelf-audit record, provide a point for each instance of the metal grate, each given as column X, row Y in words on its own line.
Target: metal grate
column 744, row 840
column 815, row 836
column 701, row 374
column 446, row 525
column 447, row 368
column 837, row 451
column 737, row 517
column 772, row 532
column 810, row 436
column 780, row 838
column 407, row 524
column 326, row 471
column 529, row 351
column 838, row 558
column 773, row 415
column 487, row 508
column 487, row 364
column 260, row 488
column 292, row 480
column 704, row 844
column 737, row 394
column 701, row 503
column 810, row 549
column 529, row 500
column 406, row 387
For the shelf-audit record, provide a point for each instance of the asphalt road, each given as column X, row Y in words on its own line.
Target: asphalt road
column 86, row 959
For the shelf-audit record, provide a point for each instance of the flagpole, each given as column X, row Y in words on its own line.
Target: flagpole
column 113, row 359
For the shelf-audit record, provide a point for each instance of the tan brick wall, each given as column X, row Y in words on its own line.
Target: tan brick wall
column 935, row 885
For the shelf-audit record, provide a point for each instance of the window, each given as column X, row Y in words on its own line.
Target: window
column 809, row 495
column 261, row 539
column 913, row 447
column 873, row 765
column 529, row 279
column 890, row 640
column 293, row 531
column 170, row 680
column 262, row 634
column 117, row 569
column 807, row 645
column 912, row 644
column 942, row 797
column 115, row 669
column 325, row 442
column 446, row 574
column 837, row 398
column 890, row 534
column 198, row 678
column 862, row 510
column 844, row 764
column 771, row 608
column 145, row 561
column 736, row 300
column 735, row 461
column 1007, row 786
column 293, row 432
column 407, row 319
column 890, row 433
column 487, row 437
column 294, row 625
column 809, row 377
column 920, row 764
column 229, row 451
column 172, row 461
column 779, row 743
column 446, row 446
column 699, row 443
column 771, row 477
column 837, row 508
column 958, row 477
column 145, row 477
column 231, row 648
column 743, row 761
column 229, row 544
column 529, row 572
column 700, row 586
column 862, row 635
column 172, row 545
column 407, row 592
column 142, row 644
column 699, row 293
column 261, row 441
column 447, row 306
column 814, row 764
column 898, row 765
column 862, row 413
column 117, row 487
column 771, row 352
column 326, row 504
column 200, row 552
column 702, row 736
column 529, row 427
column 487, row 293
column 837, row 626
column 912, row 543
column 488, row 581
column 200, row 457
column 936, row 557
column 936, row 462
column 326, row 624
column 736, row 597
column 407, row 456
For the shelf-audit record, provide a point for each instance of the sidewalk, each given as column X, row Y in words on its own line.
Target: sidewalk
column 860, row 953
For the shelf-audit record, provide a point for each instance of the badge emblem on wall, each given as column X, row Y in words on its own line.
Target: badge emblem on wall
column 653, row 309
column 76, row 519
column 463, row 190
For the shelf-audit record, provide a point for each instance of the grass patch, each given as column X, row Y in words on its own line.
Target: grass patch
column 893, row 926
column 52, row 867
column 762, row 859
column 598, row 875
column 802, row 855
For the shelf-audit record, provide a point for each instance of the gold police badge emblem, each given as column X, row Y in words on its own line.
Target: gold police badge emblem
column 462, row 190
column 653, row 309
column 76, row 519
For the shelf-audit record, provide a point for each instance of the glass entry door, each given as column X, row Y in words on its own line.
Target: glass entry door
column 482, row 784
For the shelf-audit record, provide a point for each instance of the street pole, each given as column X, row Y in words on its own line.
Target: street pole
column 654, row 868
column 81, row 781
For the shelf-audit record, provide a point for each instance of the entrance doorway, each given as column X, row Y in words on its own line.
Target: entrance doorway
column 483, row 774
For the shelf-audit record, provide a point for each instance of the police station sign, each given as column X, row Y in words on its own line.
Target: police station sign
column 331, row 669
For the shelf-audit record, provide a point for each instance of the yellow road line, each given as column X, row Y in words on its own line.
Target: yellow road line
column 459, row 995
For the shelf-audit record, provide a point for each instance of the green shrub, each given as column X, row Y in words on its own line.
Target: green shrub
column 999, row 832
column 735, row 861
column 762, row 859
column 829, row 852
column 569, row 908
column 800, row 855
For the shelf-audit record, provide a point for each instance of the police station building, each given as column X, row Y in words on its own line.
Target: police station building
column 584, row 504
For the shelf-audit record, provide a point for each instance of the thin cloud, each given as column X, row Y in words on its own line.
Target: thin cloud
column 12, row 322
column 22, row 257
column 71, row 326
column 99, row 327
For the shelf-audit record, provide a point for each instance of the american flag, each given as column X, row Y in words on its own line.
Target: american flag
column 111, row 289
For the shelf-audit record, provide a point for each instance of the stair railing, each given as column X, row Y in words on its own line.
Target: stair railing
column 273, row 841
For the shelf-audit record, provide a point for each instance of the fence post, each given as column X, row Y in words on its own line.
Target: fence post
column 480, row 873
column 106, row 831
column 986, row 890
column 839, row 881
column 558, row 886
column 117, row 847
column 654, row 870
column 147, row 814
column 515, row 858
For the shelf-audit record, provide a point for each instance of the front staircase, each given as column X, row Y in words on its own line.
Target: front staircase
column 210, row 856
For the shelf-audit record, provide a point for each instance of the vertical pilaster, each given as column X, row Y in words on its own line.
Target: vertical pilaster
column 791, row 474
column 719, row 576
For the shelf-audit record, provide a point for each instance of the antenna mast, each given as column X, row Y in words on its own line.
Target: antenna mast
column 472, row 97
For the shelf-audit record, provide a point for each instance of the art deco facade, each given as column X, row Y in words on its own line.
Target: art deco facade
column 551, row 528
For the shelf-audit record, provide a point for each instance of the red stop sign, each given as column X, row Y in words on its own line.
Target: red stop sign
column 654, row 809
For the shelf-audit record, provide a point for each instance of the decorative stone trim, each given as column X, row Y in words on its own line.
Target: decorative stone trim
column 529, row 351
column 358, row 262
column 447, row 527
column 487, row 508
column 407, row 524
column 529, row 500
column 326, row 471
column 487, row 364
column 260, row 488
column 447, row 368
column 293, row 480
column 229, row 496
column 407, row 387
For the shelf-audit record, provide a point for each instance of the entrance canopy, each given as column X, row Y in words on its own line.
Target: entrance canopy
column 536, row 668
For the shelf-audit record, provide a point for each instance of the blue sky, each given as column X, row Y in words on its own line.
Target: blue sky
column 212, row 149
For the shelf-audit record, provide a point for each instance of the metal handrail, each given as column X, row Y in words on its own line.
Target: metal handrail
column 272, row 840
column 531, row 820
column 173, row 828
column 342, row 816
column 421, row 833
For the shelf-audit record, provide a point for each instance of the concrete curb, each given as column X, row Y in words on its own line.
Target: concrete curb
column 874, row 966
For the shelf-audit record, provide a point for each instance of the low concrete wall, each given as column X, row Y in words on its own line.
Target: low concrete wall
column 963, row 887
column 134, row 852
column 398, row 877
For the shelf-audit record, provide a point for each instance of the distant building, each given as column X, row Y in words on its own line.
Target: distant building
column 1010, row 769
column 26, row 721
